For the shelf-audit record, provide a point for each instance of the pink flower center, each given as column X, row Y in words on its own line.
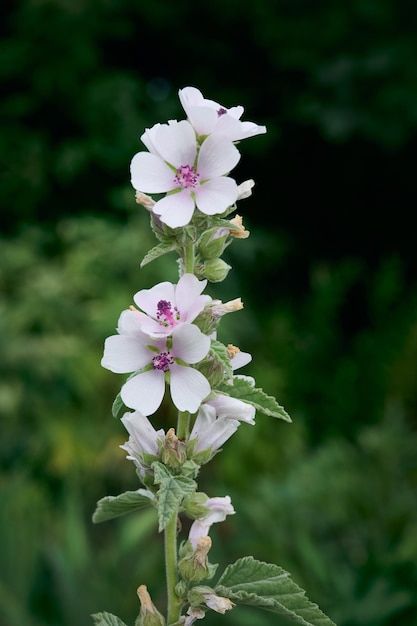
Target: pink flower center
column 186, row 176
column 166, row 314
column 221, row 111
column 162, row 361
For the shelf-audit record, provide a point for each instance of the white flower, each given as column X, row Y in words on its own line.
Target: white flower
column 209, row 117
column 218, row 419
column 143, row 438
column 190, row 177
column 167, row 305
column 152, row 360
column 219, row 509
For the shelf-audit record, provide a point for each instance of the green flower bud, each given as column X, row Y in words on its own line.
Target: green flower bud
column 212, row 243
column 194, row 566
column 172, row 450
column 216, row 270
column 205, row 595
column 149, row 614
column 194, row 505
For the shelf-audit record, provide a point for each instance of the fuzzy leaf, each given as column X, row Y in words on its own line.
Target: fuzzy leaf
column 243, row 390
column 171, row 492
column 115, row 506
column 157, row 251
column 269, row 587
column 107, row 619
column 218, row 351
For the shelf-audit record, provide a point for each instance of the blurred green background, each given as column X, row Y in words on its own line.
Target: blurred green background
column 328, row 278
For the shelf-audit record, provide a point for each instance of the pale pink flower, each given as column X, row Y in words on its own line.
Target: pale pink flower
column 218, row 419
column 154, row 361
column 189, row 177
column 143, row 438
column 209, row 117
column 219, row 509
column 167, row 305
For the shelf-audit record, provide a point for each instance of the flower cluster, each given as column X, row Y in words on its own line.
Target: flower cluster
column 189, row 161
column 168, row 338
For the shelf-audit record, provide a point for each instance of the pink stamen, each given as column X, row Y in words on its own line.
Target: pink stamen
column 221, row 111
column 166, row 314
column 162, row 361
column 186, row 176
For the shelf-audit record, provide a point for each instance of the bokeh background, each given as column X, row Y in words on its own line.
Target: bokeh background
column 328, row 278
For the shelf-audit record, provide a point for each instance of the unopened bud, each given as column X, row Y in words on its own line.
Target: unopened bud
column 205, row 595
column 194, row 566
column 149, row 614
column 173, row 453
column 220, row 308
column 216, row 270
column 212, row 243
column 244, row 190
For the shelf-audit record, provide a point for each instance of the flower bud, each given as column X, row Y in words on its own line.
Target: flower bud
column 205, row 595
column 216, row 270
column 194, row 505
column 212, row 243
column 149, row 614
column 194, row 566
column 238, row 230
column 173, row 453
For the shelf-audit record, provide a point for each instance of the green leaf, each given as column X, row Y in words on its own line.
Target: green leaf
column 157, row 251
column 172, row 491
column 243, row 390
column 107, row 619
column 115, row 506
column 269, row 587
column 117, row 405
column 218, row 351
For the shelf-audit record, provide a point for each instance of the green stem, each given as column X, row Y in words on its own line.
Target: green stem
column 189, row 258
column 183, row 425
column 174, row 606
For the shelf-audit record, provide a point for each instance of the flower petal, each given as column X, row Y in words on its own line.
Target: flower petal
column 189, row 344
column 188, row 387
column 147, row 299
column 144, row 392
column 151, row 174
column 143, row 436
column 187, row 296
column 176, row 143
column 217, row 156
column 215, row 196
column 176, row 209
column 124, row 354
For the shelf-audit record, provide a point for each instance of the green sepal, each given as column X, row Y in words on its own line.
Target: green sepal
column 115, row 506
column 107, row 619
column 172, row 491
column 159, row 250
column 242, row 389
column 117, row 405
column 269, row 587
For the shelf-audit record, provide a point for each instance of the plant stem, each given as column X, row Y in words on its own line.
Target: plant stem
column 189, row 258
column 174, row 607
column 183, row 425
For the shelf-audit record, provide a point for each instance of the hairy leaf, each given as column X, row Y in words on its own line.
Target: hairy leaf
column 269, row 587
column 115, row 506
column 157, row 251
column 218, row 351
column 107, row 619
column 243, row 390
column 171, row 492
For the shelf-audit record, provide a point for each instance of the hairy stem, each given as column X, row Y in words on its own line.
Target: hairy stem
column 183, row 425
column 174, row 607
column 189, row 258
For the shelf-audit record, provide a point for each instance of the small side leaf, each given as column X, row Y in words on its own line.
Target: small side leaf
column 115, row 506
column 117, row 405
column 172, row 491
column 107, row 619
column 269, row 587
column 157, row 251
column 218, row 351
column 243, row 390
